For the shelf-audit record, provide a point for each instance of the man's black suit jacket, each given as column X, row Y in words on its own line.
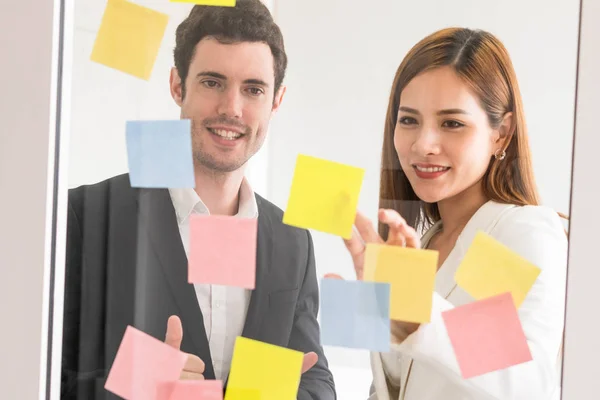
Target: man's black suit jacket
column 126, row 265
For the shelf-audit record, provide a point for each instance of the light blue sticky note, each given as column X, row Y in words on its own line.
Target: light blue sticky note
column 355, row 314
column 160, row 154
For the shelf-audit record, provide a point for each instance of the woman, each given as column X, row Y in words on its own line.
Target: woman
column 456, row 161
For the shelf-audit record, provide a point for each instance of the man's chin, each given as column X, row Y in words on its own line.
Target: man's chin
column 222, row 167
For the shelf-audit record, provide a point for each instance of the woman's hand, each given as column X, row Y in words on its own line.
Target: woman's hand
column 400, row 234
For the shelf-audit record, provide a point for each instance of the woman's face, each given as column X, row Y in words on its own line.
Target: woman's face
column 443, row 137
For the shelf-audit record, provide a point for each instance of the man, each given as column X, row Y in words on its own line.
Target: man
column 127, row 247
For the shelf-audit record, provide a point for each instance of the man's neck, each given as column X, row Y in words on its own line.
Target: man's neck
column 220, row 192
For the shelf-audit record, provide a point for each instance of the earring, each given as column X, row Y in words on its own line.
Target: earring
column 500, row 156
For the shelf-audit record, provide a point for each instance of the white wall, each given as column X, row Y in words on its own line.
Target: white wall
column 343, row 55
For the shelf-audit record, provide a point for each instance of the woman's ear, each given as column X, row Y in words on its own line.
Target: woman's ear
column 505, row 130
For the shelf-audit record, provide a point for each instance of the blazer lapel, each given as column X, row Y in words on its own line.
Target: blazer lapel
column 158, row 219
column 260, row 296
column 484, row 219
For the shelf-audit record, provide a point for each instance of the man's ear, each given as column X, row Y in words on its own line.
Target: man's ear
column 278, row 98
column 176, row 86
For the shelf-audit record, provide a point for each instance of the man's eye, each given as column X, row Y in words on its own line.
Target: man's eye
column 256, row 91
column 210, row 84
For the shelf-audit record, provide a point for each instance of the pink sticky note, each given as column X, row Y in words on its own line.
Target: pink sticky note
column 141, row 364
column 191, row 390
column 487, row 335
column 222, row 250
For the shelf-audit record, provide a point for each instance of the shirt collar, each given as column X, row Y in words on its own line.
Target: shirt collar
column 186, row 200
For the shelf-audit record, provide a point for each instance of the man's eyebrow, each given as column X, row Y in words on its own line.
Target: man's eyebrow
column 213, row 74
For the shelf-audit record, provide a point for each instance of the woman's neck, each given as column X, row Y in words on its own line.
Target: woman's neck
column 455, row 212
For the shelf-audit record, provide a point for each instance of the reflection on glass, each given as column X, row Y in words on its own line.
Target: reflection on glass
column 457, row 162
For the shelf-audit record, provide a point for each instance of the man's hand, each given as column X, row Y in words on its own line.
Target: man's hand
column 310, row 359
column 194, row 366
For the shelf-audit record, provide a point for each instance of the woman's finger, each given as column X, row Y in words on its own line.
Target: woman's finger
column 400, row 233
column 355, row 245
column 412, row 237
column 395, row 223
column 366, row 229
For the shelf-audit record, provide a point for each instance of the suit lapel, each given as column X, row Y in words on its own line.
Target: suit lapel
column 158, row 220
column 260, row 296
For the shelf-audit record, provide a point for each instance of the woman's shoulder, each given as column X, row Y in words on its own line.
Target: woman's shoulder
column 530, row 218
column 533, row 231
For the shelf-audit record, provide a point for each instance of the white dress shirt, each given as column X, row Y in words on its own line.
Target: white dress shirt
column 424, row 366
column 223, row 308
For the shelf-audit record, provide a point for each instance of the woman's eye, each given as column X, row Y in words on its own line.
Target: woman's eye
column 452, row 124
column 407, row 121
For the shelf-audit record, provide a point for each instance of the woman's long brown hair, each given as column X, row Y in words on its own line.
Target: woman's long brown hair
column 483, row 63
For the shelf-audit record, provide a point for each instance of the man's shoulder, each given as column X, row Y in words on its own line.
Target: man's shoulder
column 101, row 191
column 273, row 215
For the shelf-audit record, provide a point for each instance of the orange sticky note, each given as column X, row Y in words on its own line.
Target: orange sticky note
column 129, row 38
column 222, row 3
column 263, row 371
column 141, row 365
column 191, row 390
column 490, row 268
column 222, row 250
column 487, row 335
column 411, row 275
column 324, row 196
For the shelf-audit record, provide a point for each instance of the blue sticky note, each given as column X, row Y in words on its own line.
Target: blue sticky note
column 160, row 154
column 355, row 314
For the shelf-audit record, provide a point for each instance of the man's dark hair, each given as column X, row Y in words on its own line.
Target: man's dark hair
column 248, row 21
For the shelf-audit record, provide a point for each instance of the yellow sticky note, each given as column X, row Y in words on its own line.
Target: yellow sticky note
column 411, row 275
column 324, row 196
column 129, row 38
column 490, row 268
column 263, row 371
column 222, row 3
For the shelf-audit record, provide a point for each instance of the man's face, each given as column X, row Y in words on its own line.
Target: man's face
column 230, row 99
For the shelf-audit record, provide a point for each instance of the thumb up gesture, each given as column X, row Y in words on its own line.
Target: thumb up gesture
column 194, row 366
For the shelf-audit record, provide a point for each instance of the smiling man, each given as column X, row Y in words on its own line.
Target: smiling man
column 127, row 248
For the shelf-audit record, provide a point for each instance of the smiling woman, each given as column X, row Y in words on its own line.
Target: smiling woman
column 456, row 161
column 455, row 105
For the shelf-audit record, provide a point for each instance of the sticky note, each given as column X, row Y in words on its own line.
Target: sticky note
column 263, row 371
column 324, row 196
column 411, row 275
column 490, row 268
column 141, row 365
column 487, row 335
column 160, row 154
column 191, row 390
column 222, row 250
column 129, row 38
column 355, row 314
column 222, row 3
